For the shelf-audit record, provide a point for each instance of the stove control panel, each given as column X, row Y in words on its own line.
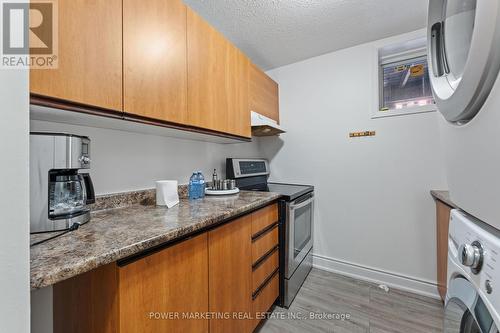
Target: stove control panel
column 245, row 167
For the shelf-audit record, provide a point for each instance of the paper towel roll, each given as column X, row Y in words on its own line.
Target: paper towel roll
column 166, row 193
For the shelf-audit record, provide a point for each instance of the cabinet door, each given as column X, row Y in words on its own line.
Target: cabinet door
column 442, row 226
column 87, row 302
column 89, row 56
column 154, row 56
column 263, row 94
column 230, row 281
column 166, row 284
column 217, row 80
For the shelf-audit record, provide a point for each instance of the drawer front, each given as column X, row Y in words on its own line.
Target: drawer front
column 265, row 269
column 263, row 218
column 264, row 244
column 265, row 299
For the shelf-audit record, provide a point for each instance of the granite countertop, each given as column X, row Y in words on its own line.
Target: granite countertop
column 443, row 196
column 114, row 234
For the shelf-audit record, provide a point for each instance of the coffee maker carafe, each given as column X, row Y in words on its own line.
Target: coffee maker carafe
column 60, row 193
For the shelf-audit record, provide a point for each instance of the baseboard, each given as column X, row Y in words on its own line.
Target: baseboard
column 392, row 280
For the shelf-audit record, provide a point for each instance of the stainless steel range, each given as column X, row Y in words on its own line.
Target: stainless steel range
column 296, row 208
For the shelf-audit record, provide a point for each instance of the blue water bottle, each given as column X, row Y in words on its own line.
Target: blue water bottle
column 193, row 188
column 201, row 185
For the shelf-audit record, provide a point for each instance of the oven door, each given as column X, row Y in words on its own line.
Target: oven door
column 465, row 310
column 299, row 237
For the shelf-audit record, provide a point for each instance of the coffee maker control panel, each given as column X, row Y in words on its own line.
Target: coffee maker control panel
column 84, row 160
column 85, row 153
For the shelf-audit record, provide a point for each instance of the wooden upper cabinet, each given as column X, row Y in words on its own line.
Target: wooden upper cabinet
column 155, row 59
column 263, row 94
column 89, row 55
column 230, row 275
column 217, row 80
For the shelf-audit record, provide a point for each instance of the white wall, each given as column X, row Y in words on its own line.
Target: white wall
column 125, row 161
column 14, row 201
column 373, row 207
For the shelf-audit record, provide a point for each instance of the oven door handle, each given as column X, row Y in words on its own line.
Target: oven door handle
column 302, row 204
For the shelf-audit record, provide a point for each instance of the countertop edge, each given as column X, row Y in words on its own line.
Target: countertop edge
column 172, row 236
column 444, row 197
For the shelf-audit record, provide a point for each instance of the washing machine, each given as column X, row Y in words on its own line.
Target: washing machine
column 464, row 63
column 472, row 302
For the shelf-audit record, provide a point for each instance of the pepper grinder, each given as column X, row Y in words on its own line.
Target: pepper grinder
column 214, row 179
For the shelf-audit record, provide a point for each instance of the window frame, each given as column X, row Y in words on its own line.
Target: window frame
column 396, row 58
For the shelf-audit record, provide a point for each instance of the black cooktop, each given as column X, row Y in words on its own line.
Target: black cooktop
column 288, row 191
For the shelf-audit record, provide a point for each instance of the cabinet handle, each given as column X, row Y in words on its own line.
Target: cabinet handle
column 264, row 231
column 264, row 284
column 261, row 260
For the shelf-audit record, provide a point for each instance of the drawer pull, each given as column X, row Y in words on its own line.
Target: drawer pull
column 264, row 284
column 262, row 259
column 264, row 231
column 264, row 244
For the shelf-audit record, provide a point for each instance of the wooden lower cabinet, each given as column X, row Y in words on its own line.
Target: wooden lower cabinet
column 264, row 218
column 208, row 283
column 239, row 287
column 265, row 269
column 442, row 225
column 230, row 277
column 144, row 296
column 265, row 262
column 87, row 302
column 265, row 299
column 264, row 244
column 171, row 282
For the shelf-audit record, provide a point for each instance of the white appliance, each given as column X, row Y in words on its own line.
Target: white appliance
column 264, row 126
column 473, row 299
column 464, row 62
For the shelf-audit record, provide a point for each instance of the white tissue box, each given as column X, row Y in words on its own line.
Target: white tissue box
column 167, row 193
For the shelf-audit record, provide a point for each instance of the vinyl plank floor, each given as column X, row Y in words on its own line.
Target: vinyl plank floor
column 364, row 306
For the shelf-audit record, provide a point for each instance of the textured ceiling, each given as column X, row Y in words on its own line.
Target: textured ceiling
column 274, row 33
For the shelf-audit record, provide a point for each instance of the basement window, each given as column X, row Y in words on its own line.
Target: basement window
column 404, row 85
